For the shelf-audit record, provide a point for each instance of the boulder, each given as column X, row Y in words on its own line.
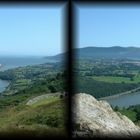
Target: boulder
column 93, row 118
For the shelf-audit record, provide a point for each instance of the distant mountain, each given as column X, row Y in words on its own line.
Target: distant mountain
column 109, row 52
column 57, row 57
column 115, row 52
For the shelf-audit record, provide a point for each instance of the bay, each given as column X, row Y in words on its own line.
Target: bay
column 14, row 62
column 125, row 100
column 3, row 85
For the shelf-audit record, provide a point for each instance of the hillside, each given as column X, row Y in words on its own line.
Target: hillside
column 42, row 118
column 100, row 88
column 113, row 52
column 38, row 109
column 58, row 57
column 94, row 118
column 109, row 52
column 23, row 78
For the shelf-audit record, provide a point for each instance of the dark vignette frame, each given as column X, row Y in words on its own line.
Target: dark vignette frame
column 66, row 47
column 91, row 3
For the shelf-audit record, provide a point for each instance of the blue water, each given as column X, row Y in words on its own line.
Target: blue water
column 3, row 85
column 13, row 62
column 125, row 100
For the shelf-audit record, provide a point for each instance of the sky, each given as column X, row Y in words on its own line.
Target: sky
column 106, row 26
column 35, row 30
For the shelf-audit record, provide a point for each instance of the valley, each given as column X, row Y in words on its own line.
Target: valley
column 112, row 74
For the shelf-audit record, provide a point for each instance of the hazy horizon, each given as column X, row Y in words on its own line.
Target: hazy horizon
column 24, row 55
column 111, row 46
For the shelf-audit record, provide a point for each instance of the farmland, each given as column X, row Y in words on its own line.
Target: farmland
column 106, row 77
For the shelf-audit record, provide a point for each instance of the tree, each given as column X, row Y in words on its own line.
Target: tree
column 116, row 108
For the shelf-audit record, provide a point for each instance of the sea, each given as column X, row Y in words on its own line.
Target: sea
column 125, row 100
column 7, row 62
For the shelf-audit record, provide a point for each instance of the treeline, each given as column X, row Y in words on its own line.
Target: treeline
column 26, row 77
column 136, row 109
column 107, row 73
column 48, row 85
column 100, row 89
column 103, row 71
column 30, row 72
column 132, row 112
column 106, row 68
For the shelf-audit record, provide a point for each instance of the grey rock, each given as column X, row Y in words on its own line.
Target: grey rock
column 93, row 118
column 41, row 97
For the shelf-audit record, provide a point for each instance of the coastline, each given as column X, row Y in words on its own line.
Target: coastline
column 120, row 94
column 4, row 85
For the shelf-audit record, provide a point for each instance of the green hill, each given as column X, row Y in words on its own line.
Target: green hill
column 38, row 109
column 113, row 52
column 46, row 117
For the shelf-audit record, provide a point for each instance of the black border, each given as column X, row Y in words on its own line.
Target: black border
column 69, row 58
column 92, row 3
column 66, row 46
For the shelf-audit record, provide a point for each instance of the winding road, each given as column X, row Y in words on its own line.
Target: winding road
column 120, row 94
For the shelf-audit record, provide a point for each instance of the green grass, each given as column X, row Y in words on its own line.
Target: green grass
column 113, row 79
column 49, row 100
column 46, row 117
column 23, row 81
column 33, row 132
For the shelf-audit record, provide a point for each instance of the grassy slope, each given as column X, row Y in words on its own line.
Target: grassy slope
column 44, row 101
column 44, row 118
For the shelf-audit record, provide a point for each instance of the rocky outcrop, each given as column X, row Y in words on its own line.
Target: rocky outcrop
column 41, row 97
column 93, row 118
